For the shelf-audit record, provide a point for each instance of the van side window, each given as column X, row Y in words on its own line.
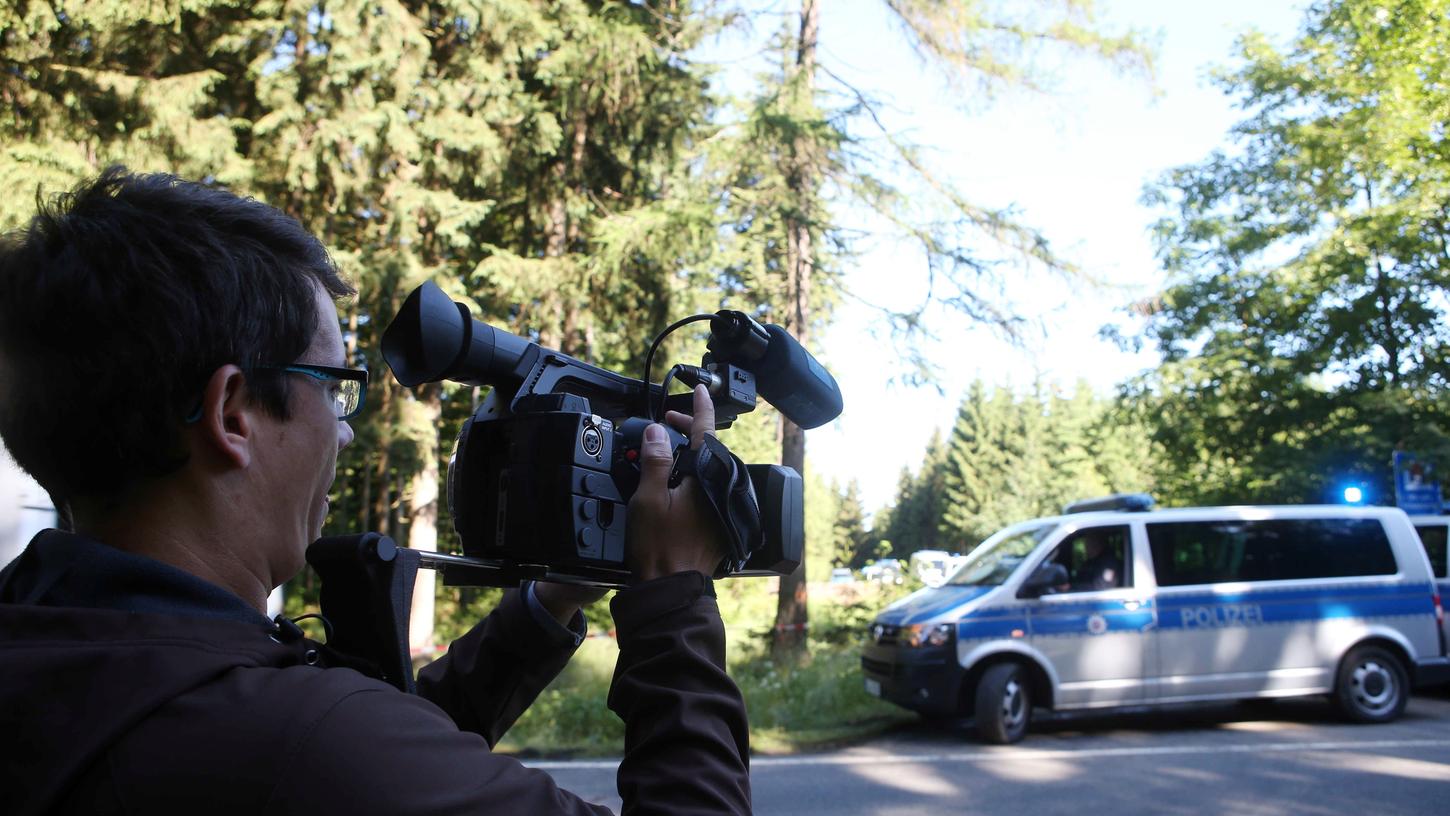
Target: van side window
column 1096, row 558
column 1207, row 552
column 1433, row 537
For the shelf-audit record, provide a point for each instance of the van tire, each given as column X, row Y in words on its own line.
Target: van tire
column 1372, row 687
column 1003, row 704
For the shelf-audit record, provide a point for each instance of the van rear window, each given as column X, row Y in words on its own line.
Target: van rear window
column 1208, row 552
column 1433, row 537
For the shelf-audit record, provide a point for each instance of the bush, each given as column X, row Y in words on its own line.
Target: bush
column 791, row 707
column 571, row 716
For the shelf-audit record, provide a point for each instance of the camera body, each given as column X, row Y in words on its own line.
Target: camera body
column 543, row 471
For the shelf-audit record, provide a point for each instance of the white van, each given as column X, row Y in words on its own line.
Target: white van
column 1118, row 605
column 931, row 567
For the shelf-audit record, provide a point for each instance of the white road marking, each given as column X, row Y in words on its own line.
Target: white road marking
column 1030, row 754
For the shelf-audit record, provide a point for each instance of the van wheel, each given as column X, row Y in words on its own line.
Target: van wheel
column 1004, row 704
column 1372, row 686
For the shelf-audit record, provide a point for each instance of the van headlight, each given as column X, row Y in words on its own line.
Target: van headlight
column 927, row 634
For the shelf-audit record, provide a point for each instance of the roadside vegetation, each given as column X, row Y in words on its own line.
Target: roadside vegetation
column 817, row 703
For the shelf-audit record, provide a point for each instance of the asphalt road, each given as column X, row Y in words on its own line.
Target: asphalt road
column 1287, row 757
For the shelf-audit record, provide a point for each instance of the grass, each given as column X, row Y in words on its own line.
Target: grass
column 816, row 704
column 570, row 717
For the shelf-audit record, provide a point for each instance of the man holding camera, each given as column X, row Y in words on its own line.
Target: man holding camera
column 172, row 372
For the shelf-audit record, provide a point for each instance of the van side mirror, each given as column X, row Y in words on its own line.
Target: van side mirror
column 1045, row 577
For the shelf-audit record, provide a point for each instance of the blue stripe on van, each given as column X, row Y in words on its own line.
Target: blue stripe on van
column 1094, row 607
column 989, row 628
column 1045, row 624
column 1333, row 592
column 1204, row 610
column 1252, row 607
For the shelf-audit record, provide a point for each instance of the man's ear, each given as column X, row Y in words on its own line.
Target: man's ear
column 227, row 426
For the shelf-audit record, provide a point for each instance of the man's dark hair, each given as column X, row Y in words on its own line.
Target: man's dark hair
column 117, row 303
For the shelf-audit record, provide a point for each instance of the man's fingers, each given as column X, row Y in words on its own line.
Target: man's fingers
column 704, row 421
column 679, row 421
column 656, row 459
column 701, row 423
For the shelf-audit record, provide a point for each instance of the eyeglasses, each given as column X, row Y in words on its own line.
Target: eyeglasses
column 345, row 387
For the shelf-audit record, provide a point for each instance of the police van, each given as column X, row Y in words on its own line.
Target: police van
column 1116, row 604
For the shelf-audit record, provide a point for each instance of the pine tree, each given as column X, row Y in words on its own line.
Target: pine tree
column 1012, row 458
column 850, row 527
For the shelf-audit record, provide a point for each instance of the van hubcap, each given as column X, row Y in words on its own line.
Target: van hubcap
column 1374, row 687
column 1014, row 708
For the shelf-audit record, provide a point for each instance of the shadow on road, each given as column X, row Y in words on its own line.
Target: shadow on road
column 1287, row 715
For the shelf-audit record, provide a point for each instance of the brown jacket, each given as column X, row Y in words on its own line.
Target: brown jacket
column 129, row 687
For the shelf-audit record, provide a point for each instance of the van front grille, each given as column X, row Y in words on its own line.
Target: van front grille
column 880, row 668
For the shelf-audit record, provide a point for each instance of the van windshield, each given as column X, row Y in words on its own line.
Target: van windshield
column 993, row 562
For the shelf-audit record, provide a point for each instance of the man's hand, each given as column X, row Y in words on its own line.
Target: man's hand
column 671, row 530
column 563, row 600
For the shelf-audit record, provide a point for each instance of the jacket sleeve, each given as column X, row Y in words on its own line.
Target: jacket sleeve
column 686, row 738
column 495, row 671
column 377, row 751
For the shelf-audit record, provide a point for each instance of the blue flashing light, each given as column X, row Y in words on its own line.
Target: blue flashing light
column 1353, row 495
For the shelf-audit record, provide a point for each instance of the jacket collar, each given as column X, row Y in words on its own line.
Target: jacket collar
column 63, row 569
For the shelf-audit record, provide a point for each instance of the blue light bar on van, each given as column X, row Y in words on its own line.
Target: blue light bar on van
column 1130, row 502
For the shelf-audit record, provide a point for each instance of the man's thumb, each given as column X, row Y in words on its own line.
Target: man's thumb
column 655, row 460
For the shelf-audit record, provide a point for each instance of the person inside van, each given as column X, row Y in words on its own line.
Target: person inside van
column 1103, row 567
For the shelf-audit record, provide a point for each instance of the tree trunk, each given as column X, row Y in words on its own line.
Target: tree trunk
column 791, row 612
column 563, row 238
column 423, row 527
column 379, row 513
column 556, row 243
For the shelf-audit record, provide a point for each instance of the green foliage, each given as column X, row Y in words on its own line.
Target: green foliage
column 1304, row 334
column 791, row 706
column 993, row 43
column 1011, row 457
column 821, row 502
column 458, row 609
column 802, row 705
column 572, row 715
column 913, row 522
column 849, row 540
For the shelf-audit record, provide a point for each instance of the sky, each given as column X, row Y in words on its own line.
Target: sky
column 1071, row 163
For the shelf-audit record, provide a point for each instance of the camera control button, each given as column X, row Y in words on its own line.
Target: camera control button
column 589, row 538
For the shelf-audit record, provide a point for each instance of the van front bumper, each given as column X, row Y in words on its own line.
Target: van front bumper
column 925, row 679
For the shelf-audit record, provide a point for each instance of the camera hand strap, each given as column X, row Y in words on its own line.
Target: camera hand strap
column 726, row 486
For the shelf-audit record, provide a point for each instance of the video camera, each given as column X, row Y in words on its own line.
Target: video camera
column 543, row 471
